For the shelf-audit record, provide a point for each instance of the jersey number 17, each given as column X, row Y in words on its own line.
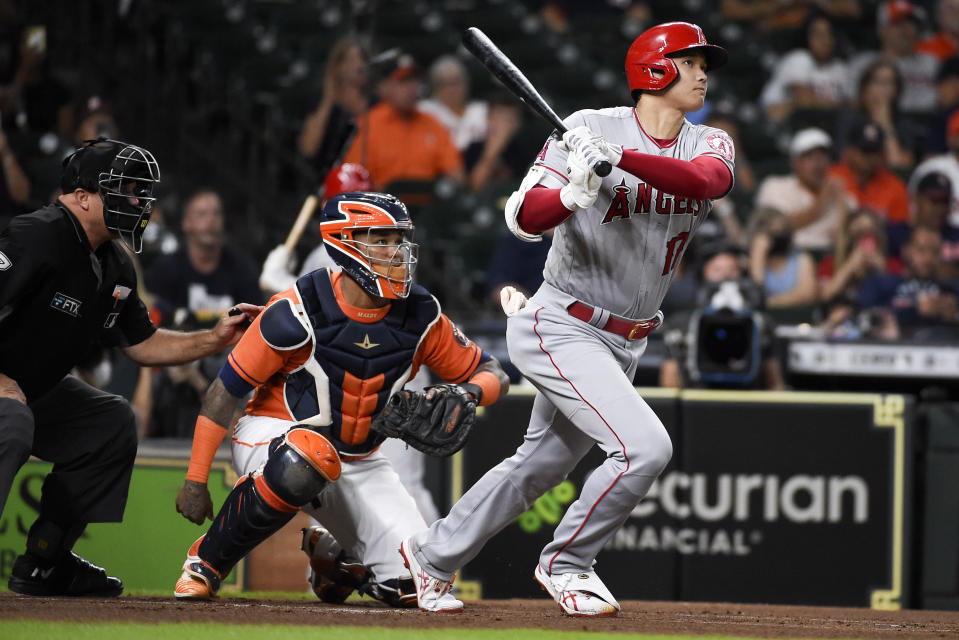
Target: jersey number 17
column 674, row 251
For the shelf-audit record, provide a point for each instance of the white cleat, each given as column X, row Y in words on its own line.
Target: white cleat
column 578, row 594
column 432, row 594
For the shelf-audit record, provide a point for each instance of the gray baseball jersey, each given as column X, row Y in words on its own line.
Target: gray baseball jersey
column 621, row 253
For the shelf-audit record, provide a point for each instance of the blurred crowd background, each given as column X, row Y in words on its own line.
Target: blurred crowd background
column 844, row 218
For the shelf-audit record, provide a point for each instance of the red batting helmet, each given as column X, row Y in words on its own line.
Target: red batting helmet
column 653, row 48
column 346, row 177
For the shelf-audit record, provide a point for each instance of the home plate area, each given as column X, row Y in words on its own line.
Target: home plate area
column 648, row 617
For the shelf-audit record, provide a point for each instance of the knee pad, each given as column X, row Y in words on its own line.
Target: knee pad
column 300, row 466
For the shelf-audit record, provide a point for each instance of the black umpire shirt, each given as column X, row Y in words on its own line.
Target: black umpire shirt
column 59, row 299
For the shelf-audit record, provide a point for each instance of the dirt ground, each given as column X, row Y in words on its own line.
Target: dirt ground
column 636, row 617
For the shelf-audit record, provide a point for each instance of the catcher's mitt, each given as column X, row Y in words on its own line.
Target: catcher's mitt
column 436, row 421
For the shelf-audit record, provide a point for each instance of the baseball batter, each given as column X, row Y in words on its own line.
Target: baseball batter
column 616, row 246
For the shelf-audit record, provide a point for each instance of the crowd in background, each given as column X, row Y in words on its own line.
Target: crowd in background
column 848, row 219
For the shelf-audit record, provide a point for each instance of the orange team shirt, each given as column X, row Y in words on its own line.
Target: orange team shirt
column 885, row 194
column 444, row 350
column 393, row 147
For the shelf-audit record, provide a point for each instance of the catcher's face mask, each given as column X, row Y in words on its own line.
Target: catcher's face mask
column 370, row 236
column 125, row 176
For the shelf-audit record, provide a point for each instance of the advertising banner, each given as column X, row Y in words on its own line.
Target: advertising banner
column 147, row 550
column 795, row 498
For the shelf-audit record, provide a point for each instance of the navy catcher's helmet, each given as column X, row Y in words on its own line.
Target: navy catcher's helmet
column 349, row 225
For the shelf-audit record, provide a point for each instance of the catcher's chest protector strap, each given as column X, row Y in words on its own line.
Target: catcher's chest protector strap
column 282, row 327
column 366, row 358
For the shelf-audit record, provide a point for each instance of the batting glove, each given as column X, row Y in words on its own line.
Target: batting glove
column 586, row 142
column 613, row 152
column 574, row 139
column 512, row 300
column 583, row 187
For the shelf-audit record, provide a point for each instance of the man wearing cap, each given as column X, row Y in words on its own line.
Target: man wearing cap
column 397, row 141
column 931, row 206
column 898, row 23
column 808, row 196
column 66, row 287
column 864, row 175
column 946, row 164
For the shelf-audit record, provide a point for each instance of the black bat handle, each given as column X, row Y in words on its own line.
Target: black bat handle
column 497, row 63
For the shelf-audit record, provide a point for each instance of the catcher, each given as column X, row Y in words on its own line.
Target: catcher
column 327, row 361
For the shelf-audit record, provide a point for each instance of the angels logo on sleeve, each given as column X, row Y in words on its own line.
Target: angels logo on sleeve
column 541, row 156
column 721, row 144
column 5, row 262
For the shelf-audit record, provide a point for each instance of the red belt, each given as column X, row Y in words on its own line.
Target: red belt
column 630, row 330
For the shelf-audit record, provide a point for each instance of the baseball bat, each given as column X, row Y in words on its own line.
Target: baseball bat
column 306, row 212
column 340, row 139
column 497, row 63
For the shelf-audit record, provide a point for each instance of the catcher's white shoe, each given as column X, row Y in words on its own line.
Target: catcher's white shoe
column 578, row 594
column 432, row 594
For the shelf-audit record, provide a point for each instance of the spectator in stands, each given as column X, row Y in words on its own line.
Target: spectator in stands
column 191, row 288
column 864, row 175
column 158, row 238
column 810, row 76
column 397, row 141
column 860, row 253
column 878, row 101
column 35, row 99
column 786, row 274
column 449, row 102
column 727, row 208
column 95, row 119
column 898, row 23
column 785, row 15
column 499, row 156
column 918, row 297
column 947, row 92
column 944, row 43
column 37, row 105
column 946, row 164
column 719, row 261
column 931, row 204
column 812, row 200
column 14, row 184
column 345, row 97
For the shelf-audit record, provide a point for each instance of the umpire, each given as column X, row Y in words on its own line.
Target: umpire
column 67, row 286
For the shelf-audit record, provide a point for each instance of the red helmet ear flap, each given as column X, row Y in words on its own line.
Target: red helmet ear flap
column 651, row 50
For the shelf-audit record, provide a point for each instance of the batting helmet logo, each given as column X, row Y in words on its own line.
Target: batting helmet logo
column 349, row 221
column 651, row 52
column 346, row 177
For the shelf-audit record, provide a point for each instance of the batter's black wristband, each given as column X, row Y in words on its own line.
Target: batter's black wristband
column 474, row 390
